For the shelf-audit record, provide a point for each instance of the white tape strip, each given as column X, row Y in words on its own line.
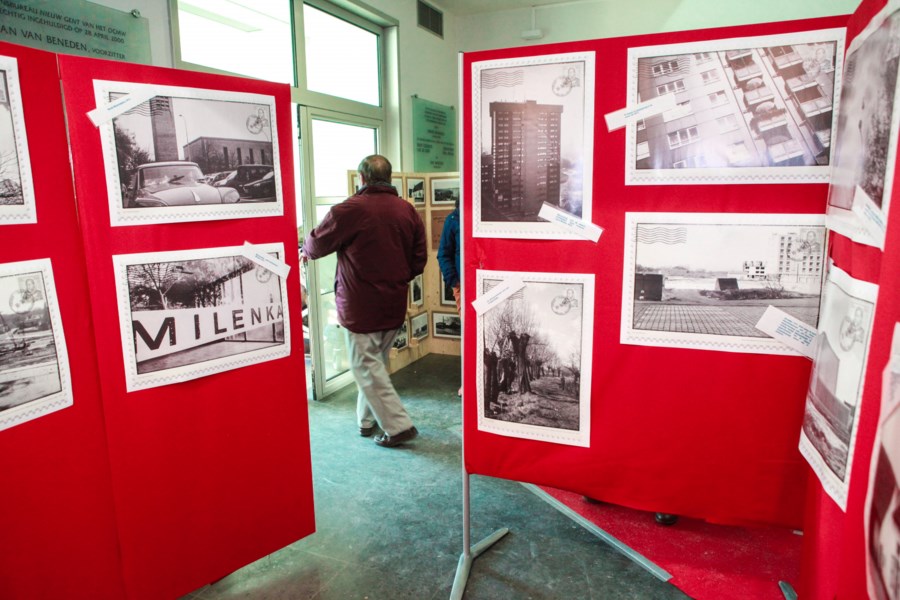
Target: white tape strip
column 870, row 216
column 266, row 260
column 630, row 114
column 496, row 295
column 788, row 330
column 102, row 114
column 579, row 227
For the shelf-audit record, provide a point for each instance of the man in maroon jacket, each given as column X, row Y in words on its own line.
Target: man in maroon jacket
column 380, row 244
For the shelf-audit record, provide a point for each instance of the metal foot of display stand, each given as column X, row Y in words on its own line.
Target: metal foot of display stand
column 470, row 553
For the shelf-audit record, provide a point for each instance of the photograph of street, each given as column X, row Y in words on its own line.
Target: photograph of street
column 193, row 313
column 535, row 377
column 16, row 196
column 33, row 363
column 747, row 111
column 447, row 325
column 678, row 293
column 445, row 191
column 419, row 325
column 402, row 339
column 188, row 155
column 533, row 131
column 832, row 401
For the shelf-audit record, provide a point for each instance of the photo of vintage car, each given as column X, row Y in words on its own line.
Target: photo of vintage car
column 174, row 183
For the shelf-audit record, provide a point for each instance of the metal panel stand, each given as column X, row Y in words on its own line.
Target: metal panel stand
column 469, row 554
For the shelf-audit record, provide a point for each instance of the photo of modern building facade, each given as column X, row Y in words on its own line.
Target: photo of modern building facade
column 752, row 107
column 523, row 170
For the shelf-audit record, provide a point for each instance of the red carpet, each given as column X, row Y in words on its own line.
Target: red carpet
column 706, row 561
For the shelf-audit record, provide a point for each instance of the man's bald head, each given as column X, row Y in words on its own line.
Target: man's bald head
column 375, row 169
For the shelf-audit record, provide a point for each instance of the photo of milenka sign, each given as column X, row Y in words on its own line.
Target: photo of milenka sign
column 679, row 293
column 192, row 313
column 34, row 365
column 747, row 110
column 190, row 155
column 533, row 137
column 16, row 190
column 536, row 352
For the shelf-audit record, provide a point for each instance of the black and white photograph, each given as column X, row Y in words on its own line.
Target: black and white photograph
column 447, row 298
column 193, row 313
column 34, row 365
column 447, row 325
column 444, row 192
column 865, row 138
column 16, row 189
column 748, row 110
column 419, row 326
column 401, row 342
column 678, row 293
column 830, row 418
column 190, row 155
column 883, row 497
column 532, row 130
column 536, row 351
column 417, row 290
column 415, row 189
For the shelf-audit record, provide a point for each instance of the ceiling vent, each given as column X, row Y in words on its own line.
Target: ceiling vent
column 431, row 19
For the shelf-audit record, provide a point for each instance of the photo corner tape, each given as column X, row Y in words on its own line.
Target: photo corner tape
column 113, row 109
column 625, row 116
column 571, row 223
column 497, row 294
column 790, row 331
column 266, row 260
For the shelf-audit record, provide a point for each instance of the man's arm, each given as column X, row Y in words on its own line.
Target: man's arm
column 324, row 239
column 420, row 248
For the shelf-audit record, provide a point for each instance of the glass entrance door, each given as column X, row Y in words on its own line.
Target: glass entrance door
column 335, row 144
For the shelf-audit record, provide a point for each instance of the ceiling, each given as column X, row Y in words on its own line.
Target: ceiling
column 467, row 7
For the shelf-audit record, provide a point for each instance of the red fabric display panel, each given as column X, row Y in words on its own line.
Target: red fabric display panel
column 58, row 522
column 212, row 473
column 834, row 552
column 697, row 433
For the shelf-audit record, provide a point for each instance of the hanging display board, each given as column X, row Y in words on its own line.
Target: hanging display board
column 77, row 27
column 58, row 523
column 202, row 373
column 702, row 418
column 434, row 136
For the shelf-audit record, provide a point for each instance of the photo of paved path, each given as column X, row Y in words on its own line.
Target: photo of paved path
column 698, row 314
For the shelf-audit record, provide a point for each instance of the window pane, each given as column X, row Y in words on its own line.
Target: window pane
column 337, row 148
column 341, row 59
column 248, row 37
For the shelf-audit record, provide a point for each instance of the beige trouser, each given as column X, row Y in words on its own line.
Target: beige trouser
column 377, row 399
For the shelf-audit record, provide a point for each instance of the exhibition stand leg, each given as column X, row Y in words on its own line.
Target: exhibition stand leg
column 470, row 553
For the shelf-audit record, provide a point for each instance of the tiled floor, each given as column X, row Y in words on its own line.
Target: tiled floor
column 389, row 521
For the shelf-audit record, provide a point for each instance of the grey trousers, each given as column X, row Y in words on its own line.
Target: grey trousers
column 377, row 399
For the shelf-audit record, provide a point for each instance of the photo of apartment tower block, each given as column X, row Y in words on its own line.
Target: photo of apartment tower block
column 533, row 134
column 749, row 115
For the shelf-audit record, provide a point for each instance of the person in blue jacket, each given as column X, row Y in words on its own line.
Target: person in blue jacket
column 448, row 254
column 448, row 257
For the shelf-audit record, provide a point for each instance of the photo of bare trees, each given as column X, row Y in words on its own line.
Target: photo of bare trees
column 535, row 350
column 16, row 196
column 189, row 314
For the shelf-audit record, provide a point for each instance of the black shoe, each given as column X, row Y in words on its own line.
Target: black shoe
column 666, row 519
column 389, row 441
column 368, row 431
